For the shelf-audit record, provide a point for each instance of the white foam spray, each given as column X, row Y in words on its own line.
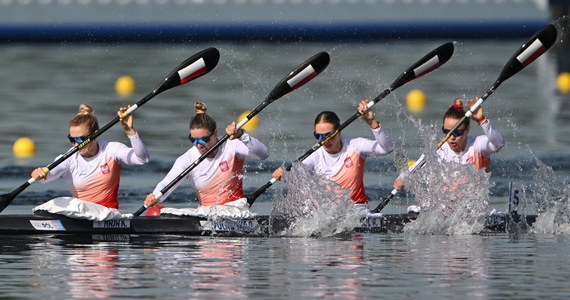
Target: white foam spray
column 313, row 206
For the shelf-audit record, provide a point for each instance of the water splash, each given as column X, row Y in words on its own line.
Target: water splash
column 453, row 197
column 551, row 197
column 313, row 206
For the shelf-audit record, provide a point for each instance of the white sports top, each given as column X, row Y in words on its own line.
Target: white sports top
column 346, row 168
column 477, row 150
column 216, row 180
column 96, row 179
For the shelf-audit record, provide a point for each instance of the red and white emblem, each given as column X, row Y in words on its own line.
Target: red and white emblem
column 105, row 169
column 224, row 166
column 348, row 162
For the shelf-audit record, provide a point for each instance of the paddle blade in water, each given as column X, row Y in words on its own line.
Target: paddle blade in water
column 425, row 65
column 194, row 67
column 301, row 75
column 6, row 199
column 531, row 50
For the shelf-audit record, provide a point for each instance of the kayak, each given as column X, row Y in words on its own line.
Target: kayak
column 46, row 223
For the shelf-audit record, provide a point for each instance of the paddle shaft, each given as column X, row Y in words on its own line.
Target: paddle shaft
column 417, row 164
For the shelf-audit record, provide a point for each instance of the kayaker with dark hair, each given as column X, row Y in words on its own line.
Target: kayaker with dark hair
column 460, row 147
column 342, row 159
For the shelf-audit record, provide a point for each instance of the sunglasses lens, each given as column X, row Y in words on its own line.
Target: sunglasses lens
column 77, row 139
column 456, row 133
column 321, row 136
column 201, row 141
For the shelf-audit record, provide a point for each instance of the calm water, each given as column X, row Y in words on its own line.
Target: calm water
column 43, row 86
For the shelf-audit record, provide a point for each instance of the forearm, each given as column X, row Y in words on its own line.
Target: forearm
column 141, row 153
column 384, row 144
column 496, row 141
column 256, row 149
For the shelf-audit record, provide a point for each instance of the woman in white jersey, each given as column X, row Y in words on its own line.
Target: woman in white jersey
column 462, row 148
column 341, row 159
column 217, row 180
column 93, row 172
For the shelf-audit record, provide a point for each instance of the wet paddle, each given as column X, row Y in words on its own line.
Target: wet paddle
column 425, row 65
column 192, row 68
column 526, row 54
column 297, row 78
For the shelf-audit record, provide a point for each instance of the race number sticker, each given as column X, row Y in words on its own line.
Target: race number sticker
column 49, row 225
column 514, row 198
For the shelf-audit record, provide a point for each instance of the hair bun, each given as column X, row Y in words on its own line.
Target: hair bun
column 85, row 109
column 200, row 107
column 457, row 104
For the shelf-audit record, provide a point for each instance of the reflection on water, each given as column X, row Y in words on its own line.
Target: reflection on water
column 352, row 267
column 93, row 273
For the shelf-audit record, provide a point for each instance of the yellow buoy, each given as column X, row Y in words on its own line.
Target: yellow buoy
column 252, row 124
column 24, row 147
column 563, row 82
column 416, row 101
column 411, row 163
column 125, row 86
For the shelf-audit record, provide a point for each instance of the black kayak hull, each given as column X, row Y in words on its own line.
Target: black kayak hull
column 189, row 225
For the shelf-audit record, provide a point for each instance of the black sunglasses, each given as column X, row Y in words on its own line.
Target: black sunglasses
column 456, row 133
column 322, row 136
column 77, row 139
column 201, row 140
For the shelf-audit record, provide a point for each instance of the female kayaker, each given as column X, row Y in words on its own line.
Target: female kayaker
column 342, row 159
column 460, row 147
column 218, row 178
column 93, row 172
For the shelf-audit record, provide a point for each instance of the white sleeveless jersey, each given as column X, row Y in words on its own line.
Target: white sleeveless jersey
column 216, row 180
column 346, row 168
column 96, row 179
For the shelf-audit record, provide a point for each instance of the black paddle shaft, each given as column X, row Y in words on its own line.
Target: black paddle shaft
column 425, row 65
